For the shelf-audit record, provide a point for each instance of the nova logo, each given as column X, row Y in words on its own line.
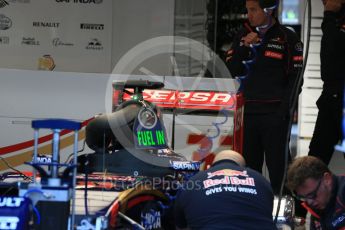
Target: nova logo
column 10, row 202
column 82, row 1
column 3, row 3
column 46, row 24
column 5, row 22
column 8, row 222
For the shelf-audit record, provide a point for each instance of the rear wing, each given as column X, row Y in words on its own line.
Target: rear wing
column 195, row 97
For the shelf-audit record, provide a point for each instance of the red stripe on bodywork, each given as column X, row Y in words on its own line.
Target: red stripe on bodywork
column 30, row 143
column 226, row 140
column 139, row 200
column 113, row 213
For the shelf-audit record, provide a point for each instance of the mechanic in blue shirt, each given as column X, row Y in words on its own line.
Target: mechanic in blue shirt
column 225, row 196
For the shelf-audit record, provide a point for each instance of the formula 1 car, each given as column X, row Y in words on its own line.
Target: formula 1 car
column 132, row 177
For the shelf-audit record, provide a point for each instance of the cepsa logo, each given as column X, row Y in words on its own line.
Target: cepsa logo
column 81, row 1
column 206, row 100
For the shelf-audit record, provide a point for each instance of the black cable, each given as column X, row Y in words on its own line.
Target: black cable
column 7, row 191
column 86, row 180
column 174, row 114
column 294, row 99
column 85, row 187
column 79, row 151
column 14, row 169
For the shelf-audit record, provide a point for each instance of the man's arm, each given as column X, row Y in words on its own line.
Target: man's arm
column 238, row 52
column 330, row 31
column 294, row 69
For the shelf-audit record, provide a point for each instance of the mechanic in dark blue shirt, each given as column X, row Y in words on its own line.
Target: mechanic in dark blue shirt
column 225, row 196
column 322, row 192
column 269, row 87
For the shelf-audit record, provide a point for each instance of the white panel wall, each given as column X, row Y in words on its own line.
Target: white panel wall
column 135, row 21
column 43, row 21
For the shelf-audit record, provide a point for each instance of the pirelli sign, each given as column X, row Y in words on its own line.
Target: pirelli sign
column 88, row 26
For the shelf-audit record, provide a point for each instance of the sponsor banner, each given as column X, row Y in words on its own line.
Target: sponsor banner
column 57, row 35
column 189, row 100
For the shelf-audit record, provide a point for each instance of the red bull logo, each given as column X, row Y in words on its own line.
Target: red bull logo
column 210, row 183
column 227, row 172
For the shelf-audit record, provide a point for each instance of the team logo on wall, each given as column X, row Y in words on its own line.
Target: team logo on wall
column 5, row 22
column 81, row 1
column 88, row 26
column 57, row 42
column 30, row 41
column 3, row 3
column 46, row 24
column 4, row 40
column 46, row 62
column 94, row 44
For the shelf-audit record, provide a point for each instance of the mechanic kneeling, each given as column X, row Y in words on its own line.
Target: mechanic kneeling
column 226, row 196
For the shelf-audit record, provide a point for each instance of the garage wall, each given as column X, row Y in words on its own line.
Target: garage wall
column 135, row 21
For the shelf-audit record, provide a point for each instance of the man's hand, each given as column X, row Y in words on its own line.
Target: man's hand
column 333, row 5
column 251, row 38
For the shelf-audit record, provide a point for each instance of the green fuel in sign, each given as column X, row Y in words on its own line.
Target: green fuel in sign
column 150, row 138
